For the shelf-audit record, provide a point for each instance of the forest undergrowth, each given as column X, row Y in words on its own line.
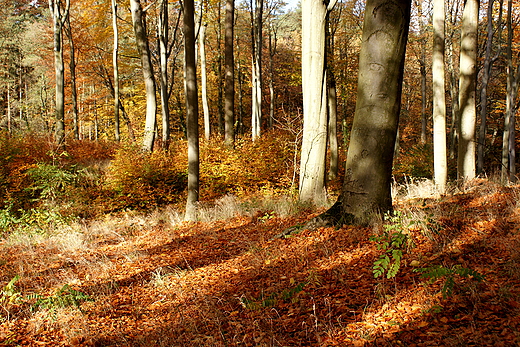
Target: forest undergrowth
column 439, row 271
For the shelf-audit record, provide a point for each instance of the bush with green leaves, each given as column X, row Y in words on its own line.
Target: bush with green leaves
column 436, row 272
column 391, row 242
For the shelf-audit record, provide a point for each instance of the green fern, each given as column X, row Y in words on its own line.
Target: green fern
column 64, row 297
column 434, row 273
column 391, row 242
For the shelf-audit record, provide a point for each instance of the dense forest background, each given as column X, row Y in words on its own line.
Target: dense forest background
column 94, row 248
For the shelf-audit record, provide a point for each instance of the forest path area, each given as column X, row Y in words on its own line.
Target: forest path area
column 153, row 283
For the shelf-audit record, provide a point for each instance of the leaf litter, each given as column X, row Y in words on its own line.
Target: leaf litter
column 225, row 283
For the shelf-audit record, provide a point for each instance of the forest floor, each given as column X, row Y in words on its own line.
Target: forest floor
column 153, row 282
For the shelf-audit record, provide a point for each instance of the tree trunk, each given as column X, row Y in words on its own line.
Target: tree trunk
column 333, row 128
column 229, row 106
column 192, row 111
column 367, row 182
column 115, row 65
column 440, row 165
column 59, row 19
column 203, row 81
column 256, row 75
column 513, row 78
column 162, row 27
column 141, row 38
column 422, row 63
column 74, row 89
column 272, row 52
column 314, row 87
column 467, row 84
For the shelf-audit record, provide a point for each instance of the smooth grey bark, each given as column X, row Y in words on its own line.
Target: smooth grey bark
column 256, row 68
column 314, row 87
column 163, row 33
column 59, row 15
column 204, row 81
column 332, row 99
column 367, row 182
column 422, row 67
column 440, row 161
column 115, row 66
column 229, row 62
column 467, row 91
column 454, row 92
column 141, row 38
column 333, row 128
column 272, row 43
column 74, row 89
column 508, row 173
column 192, row 111
column 486, row 75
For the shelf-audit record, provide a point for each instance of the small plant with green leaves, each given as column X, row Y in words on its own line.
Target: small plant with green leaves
column 287, row 295
column 434, row 273
column 10, row 295
column 64, row 297
column 392, row 242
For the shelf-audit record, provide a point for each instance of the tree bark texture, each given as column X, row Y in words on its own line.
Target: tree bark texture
column 467, row 91
column 59, row 16
column 115, row 65
column 314, row 87
column 143, row 48
column 192, row 111
column 229, row 102
column 367, row 181
column 440, row 164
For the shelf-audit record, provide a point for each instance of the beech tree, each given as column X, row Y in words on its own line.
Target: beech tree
column 229, row 101
column 467, row 90
column 115, row 66
column 486, row 77
column 256, row 67
column 59, row 14
column 141, row 38
column 440, row 164
column 508, row 172
column 314, row 87
column 192, row 110
column 163, row 37
column 367, row 181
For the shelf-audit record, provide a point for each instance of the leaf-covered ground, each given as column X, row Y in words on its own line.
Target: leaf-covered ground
column 225, row 283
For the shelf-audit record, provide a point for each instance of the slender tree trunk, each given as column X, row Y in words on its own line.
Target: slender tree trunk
column 272, row 52
column 203, row 82
column 368, row 175
column 115, row 65
column 332, row 103
column 333, row 128
column 513, row 78
column 74, row 89
column 422, row 63
column 467, row 85
column 192, row 111
column 59, row 16
column 162, row 27
column 314, row 87
column 440, row 165
column 229, row 107
column 256, row 74
column 143, row 48
column 9, row 115
column 454, row 131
